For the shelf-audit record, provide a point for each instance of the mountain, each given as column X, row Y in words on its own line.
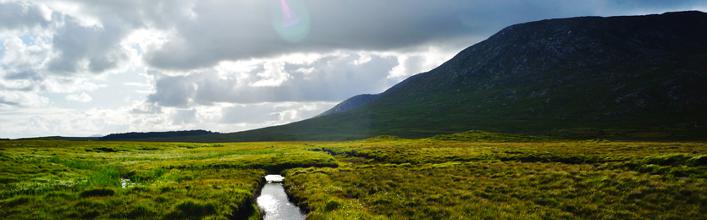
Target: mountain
column 349, row 104
column 594, row 76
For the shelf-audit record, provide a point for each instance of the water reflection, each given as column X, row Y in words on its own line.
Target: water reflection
column 273, row 201
column 274, row 178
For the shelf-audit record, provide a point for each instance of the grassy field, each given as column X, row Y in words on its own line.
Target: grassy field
column 465, row 176
column 65, row 179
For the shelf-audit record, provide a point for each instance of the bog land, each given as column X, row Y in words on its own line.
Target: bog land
column 463, row 176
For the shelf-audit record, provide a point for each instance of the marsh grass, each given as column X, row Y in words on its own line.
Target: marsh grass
column 192, row 210
column 491, row 179
column 474, row 175
column 82, row 179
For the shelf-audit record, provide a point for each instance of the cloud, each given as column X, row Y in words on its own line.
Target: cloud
column 257, row 113
column 21, row 99
column 87, row 48
column 332, row 77
column 19, row 81
column 184, row 116
column 232, row 30
column 87, row 34
column 5, row 101
column 178, row 90
column 22, row 15
column 81, row 97
column 35, row 122
column 20, row 61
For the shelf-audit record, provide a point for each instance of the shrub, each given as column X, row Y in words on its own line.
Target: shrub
column 331, row 205
column 105, row 176
column 88, row 209
column 140, row 211
column 192, row 210
column 699, row 160
column 103, row 149
column 97, row 192
column 670, row 159
column 15, row 201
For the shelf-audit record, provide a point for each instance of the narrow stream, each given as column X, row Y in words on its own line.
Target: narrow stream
column 273, row 201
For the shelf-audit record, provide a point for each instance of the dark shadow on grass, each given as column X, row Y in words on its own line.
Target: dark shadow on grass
column 192, row 210
column 97, row 192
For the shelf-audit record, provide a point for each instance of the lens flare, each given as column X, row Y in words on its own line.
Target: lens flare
column 288, row 17
column 291, row 20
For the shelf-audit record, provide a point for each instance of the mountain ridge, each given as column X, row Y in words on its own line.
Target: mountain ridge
column 350, row 103
column 604, row 73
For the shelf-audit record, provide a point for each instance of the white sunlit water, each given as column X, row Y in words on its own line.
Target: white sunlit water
column 274, row 178
column 274, row 202
column 125, row 183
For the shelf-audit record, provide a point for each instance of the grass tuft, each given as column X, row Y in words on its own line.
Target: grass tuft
column 192, row 210
column 97, row 192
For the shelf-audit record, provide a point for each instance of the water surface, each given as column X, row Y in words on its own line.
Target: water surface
column 273, row 201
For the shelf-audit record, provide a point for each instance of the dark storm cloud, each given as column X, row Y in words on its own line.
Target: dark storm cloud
column 243, row 29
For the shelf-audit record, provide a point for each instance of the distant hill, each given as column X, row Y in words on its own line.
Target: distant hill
column 157, row 136
column 57, row 138
column 591, row 76
column 190, row 135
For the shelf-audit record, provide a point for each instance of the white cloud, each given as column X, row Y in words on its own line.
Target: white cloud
column 422, row 60
column 272, row 75
column 60, row 84
column 11, row 99
column 329, row 77
column 81, row 97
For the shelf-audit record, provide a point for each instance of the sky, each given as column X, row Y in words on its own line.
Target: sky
column 89, row 68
